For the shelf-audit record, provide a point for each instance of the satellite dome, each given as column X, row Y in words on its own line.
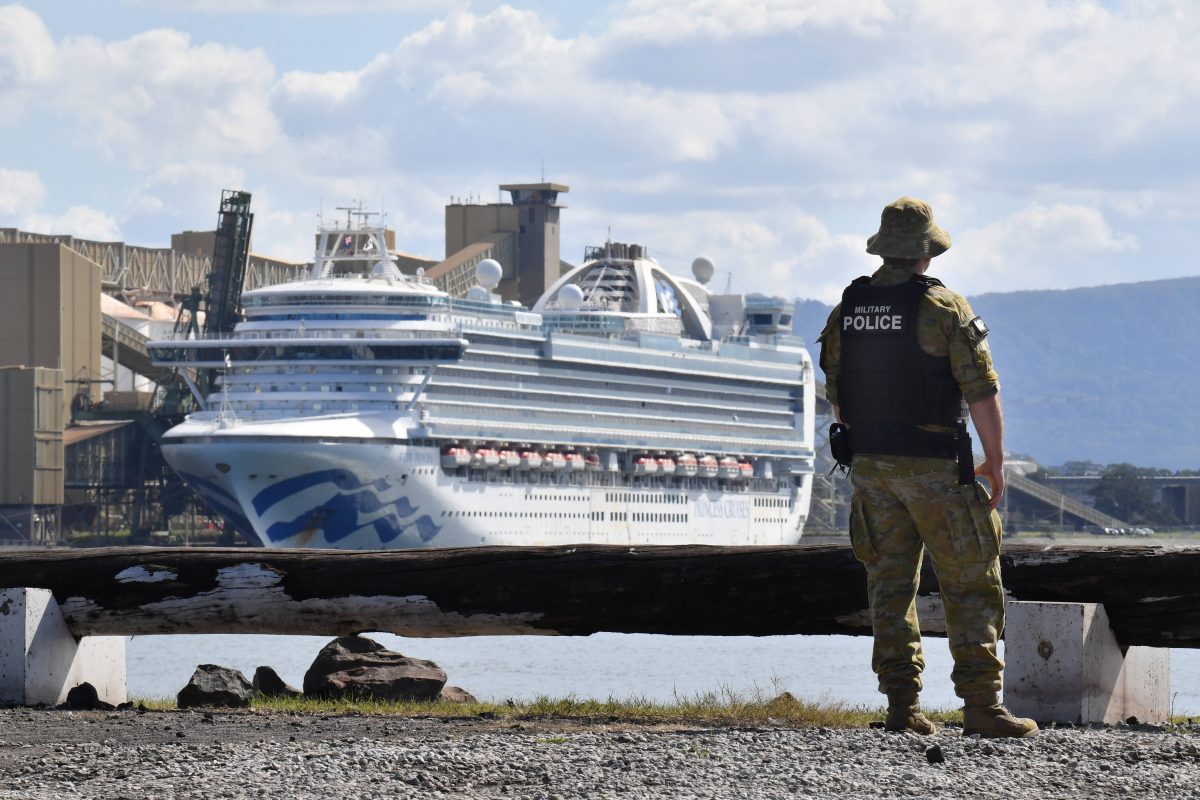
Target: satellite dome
column 570, row 297
column 703, row 268
column 488, row 273
column 479, row 294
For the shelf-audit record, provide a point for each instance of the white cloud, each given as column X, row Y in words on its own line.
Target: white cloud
column 180, row 190
column 1028, row 249
column 767, row 133
column 20, row 191
column 82, row 222
column 320, row 90
column 667, row 21
column 298, row 6
column 26, row 48
column 149, row 98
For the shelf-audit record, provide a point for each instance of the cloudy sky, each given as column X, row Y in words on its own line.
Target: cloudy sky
column 1056, row 140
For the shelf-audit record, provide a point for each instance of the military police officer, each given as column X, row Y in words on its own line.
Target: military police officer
column 905, row 359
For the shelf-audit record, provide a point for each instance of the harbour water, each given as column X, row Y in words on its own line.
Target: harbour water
column 619, row 666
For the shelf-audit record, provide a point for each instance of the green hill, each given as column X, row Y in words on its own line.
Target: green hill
column 1102, row 373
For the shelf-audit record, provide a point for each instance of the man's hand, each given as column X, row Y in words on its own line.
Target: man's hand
column 989, row 424
column 995, row 479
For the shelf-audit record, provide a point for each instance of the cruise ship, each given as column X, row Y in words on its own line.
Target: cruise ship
column 364, row 408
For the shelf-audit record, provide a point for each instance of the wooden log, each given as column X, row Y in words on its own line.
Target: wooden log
column 1151, row 593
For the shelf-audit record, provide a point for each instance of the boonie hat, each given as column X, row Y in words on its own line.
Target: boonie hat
column 907, row 230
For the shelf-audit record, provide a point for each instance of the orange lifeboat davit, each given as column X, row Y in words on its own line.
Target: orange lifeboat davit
column 686, row 465
column 575, row 462
column 708, row 466
column 554, row 460
column 745, row 470
column 666, row 465
column 509, row 458
column 529, row 459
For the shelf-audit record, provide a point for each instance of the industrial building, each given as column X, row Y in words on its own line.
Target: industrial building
column 81, row 406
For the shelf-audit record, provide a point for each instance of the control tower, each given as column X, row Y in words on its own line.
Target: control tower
column 522, row 235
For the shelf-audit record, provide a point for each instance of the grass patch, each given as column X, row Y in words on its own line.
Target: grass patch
column 718, row 708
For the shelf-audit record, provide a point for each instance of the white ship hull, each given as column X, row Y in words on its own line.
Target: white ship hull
column 384, row 495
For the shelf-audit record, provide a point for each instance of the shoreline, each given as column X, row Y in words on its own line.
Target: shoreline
column 194, row 754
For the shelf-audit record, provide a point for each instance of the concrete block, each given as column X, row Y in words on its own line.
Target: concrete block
column 40, row 661
column 1063, row 664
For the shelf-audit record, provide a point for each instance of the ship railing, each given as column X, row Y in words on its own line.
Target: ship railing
column 450, row 332
column 590, row 323
column 519, row 430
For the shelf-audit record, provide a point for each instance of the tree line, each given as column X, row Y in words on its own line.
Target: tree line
column 1121, row 490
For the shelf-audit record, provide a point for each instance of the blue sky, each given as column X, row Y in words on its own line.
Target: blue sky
column 1055, row 139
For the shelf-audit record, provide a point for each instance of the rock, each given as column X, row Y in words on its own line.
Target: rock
column 213, row 685
column 353, row 666
column 456, row 694
column 934, row 755
column 85, row 698
column 268, row 683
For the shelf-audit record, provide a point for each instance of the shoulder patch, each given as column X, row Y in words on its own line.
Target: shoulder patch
column 977, row 327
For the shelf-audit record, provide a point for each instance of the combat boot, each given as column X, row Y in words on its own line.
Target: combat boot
column 983, row 714
column 904, row 713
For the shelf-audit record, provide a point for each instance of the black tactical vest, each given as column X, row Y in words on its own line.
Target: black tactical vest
column 887, row 385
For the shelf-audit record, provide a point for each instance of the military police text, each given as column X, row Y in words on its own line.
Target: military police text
column 872, row 318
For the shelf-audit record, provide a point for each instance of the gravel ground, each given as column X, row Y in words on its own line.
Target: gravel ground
column 59, row 754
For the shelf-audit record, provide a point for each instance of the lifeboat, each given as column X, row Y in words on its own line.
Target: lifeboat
column 554, row 460
column 686, row 465
column 509, row 459
column 485, row 458
column 645, row 465
column 745, row 470
column 575, row 462
column 592, row 462
column 529, row 459
column 454, row 456
column 708, row 466
column 666, row 465
column 727, row 467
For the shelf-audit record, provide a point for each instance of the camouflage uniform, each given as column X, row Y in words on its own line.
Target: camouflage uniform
column 904, row 505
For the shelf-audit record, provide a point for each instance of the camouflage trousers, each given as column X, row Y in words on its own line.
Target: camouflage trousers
column 903, row 506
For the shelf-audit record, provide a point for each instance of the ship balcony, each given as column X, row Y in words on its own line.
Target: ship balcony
column 244, row 353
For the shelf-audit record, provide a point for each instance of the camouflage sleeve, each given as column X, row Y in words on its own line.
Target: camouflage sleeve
column 831, row 352
column 967, row 347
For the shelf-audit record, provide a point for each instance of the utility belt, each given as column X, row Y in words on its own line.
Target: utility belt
column 846, row 441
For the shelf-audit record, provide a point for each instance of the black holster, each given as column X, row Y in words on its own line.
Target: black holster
column 964, row 456
column 839, row 445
